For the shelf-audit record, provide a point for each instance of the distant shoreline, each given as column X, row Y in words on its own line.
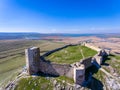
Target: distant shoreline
column 39, row 36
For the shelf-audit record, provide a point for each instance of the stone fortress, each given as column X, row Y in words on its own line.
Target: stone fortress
column 36, row 63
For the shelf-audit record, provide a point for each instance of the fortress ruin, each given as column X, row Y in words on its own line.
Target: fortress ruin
column 36, row 63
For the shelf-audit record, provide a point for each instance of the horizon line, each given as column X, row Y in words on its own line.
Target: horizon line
column 64, row 33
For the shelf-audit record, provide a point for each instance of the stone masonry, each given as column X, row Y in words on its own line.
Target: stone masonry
column 79, row 74
column 32, row 60
column 76, row 70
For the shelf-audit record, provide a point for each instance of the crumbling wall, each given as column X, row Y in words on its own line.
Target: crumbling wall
column 52, row 51
column 55, row 69
column 32, row 60
column 35, row 64
column 99, row 57
column 92, row 47
column 87, row 62
column 79, row 74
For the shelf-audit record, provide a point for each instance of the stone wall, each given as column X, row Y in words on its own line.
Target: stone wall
column 92, row 47
column 99, row 57
column 52, row 51
column 87, row 62
column 55, row 69
column 36, row 64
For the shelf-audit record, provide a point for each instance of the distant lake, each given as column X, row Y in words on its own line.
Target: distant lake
column 4, row 36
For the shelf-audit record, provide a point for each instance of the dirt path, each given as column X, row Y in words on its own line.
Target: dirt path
column 80, row 49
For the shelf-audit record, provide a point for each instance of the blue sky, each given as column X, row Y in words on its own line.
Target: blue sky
column 60, row 16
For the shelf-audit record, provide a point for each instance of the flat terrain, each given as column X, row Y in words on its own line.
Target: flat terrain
column 71, row 54
column 12, row 58
column 112, row 43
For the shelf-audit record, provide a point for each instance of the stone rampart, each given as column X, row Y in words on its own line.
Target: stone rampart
column 55, row 69
column 51, row 68
column 52, row 51
column 92, row 47
column 99, row 57
column 86, row 62
column 36, row 64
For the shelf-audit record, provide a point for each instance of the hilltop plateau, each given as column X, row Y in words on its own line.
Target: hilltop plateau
column 12, row 61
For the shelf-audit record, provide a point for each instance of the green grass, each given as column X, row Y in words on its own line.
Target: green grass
column 9, row 67
column 8, row 76
column 66, row 79
column 114, row 62
column 12, row 64
column 36, row 83
column 12, row 55
column 117, row 57
column 99, row 75
column 41, row 83
column 70, row 54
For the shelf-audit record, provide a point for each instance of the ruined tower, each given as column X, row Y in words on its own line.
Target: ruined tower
column 32, row 60
column 79, row 74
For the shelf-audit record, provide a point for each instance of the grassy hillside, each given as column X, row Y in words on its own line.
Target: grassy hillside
column 36, row 83
column 12, row 57
column 71, row 54
column 114, row 64
column 42, row 83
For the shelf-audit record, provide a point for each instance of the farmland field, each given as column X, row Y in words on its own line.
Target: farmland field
column 12, row 58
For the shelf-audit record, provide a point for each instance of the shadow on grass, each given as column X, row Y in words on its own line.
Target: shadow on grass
column 92, row 83
column 95, row 84
column 118, row 53
column 91, row 70
column 42, row 74
column 58, row 49
column 107, row 58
